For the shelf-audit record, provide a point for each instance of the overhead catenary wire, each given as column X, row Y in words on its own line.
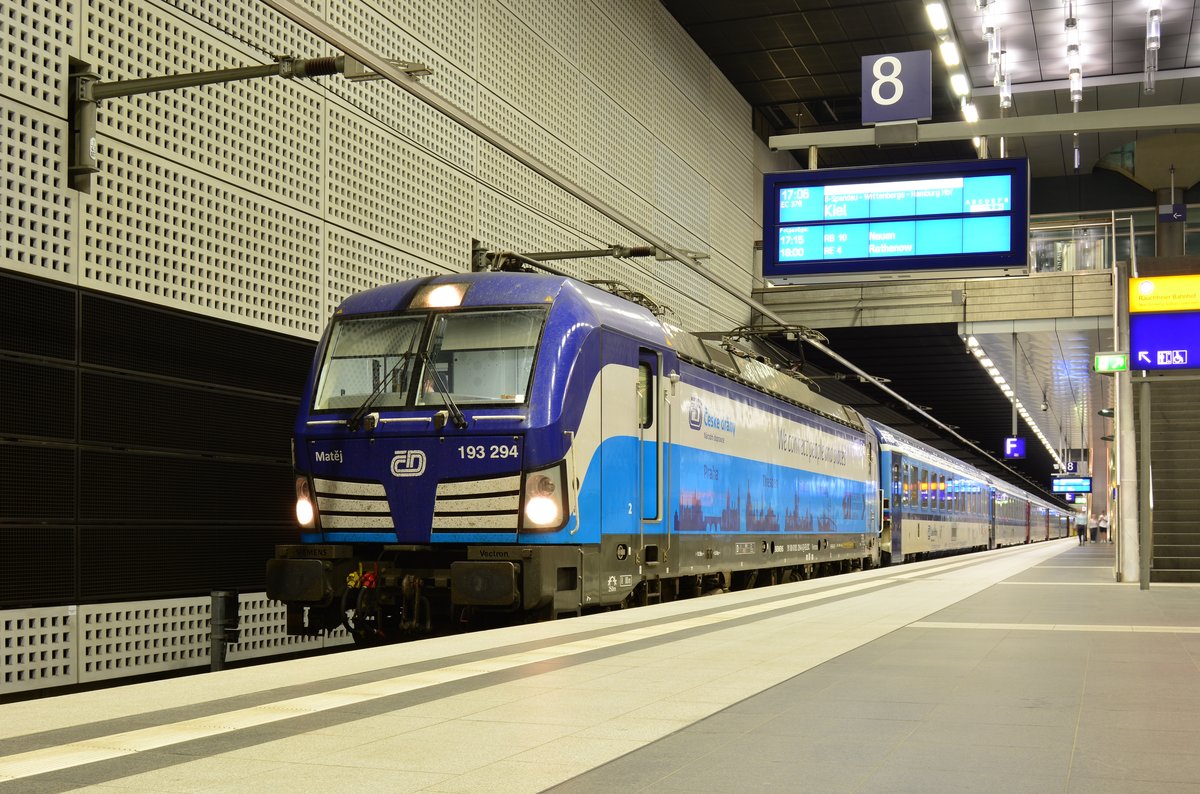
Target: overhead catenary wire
column 351, row 46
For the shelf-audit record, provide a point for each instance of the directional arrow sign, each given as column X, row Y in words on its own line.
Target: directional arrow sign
column 1165, row 341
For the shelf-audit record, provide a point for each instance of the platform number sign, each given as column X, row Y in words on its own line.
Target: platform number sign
column 897, row 87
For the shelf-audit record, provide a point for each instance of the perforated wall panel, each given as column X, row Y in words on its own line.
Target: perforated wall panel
column 731, row 233
column 38, row 210
column 42, row 648
column 248, row 22
column 449, row 30
column 680, row 90
column 633, row 18
column 356, row 264
column 609, row 58
column 37, row 39
column 37, row 648
column 730, row 114
column 261, row 624
column 443, row 43
column 507, row 225
column 620, row 146
column 508, row 176
column 156, row 230
column 392, row 192
column 681, row 195
column 122, row 639
column 733, row 175
column 518, row 67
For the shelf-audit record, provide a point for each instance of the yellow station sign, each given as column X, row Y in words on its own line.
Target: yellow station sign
column 1164, row 294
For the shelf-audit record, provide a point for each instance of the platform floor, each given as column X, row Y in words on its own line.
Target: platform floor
column 1019, row 670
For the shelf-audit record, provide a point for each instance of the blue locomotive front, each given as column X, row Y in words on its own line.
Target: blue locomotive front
column 433, row 453
column 515, row 444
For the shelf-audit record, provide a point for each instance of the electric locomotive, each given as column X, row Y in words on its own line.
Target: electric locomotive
column 528, row 445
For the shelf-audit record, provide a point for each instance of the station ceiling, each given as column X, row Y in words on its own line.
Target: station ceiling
column 798, row 64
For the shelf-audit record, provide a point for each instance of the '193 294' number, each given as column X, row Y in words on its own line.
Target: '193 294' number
column 481, row 451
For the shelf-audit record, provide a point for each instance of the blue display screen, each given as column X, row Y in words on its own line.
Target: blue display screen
column 1071, row 485
column 928, row 216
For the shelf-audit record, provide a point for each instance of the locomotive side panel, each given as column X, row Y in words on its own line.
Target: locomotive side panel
column 759, row 483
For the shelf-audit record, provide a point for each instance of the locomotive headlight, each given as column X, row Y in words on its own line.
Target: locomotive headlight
column 439, row 296
column 306, row 514
column 544, row 507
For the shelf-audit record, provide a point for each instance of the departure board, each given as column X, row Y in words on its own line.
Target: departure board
column 932, row 216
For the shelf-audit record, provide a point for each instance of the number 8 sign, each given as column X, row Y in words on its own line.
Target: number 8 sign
column 897, row 87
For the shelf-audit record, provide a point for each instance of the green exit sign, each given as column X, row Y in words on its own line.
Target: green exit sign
column 1112, row 362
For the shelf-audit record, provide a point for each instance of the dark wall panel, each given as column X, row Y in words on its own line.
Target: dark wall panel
column 36, row 318
column 38, row 565
column 155, row 463
column 131, row 487
column 160, row 561
column 138, row 338
column 122, row 411
column 37, row 400
column 37, row 484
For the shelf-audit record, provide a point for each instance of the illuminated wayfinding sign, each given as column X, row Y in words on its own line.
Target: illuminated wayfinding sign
column 1164, row 322
column 1112, row 362
column 1014, row 448
column 970, row 217
column 1071, row 485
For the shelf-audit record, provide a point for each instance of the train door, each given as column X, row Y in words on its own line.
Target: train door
column 991, row 517
column 650, row 458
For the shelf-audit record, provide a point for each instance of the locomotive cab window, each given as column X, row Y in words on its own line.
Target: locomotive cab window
column 481, row 357
column 365, row 357
column 471, row 357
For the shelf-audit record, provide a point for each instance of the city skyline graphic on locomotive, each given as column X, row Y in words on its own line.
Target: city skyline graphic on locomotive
column 515, row 445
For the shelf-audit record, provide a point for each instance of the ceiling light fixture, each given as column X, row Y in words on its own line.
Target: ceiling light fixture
column 1154, row 26
column 1153, row 43
column 950, row 55
column 1074, row 57
column 939, row 20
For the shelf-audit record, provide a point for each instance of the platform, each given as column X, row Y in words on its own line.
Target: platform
column 1025, row 669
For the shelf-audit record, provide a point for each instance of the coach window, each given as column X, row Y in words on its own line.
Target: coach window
column 942, row 491
column 924, row 488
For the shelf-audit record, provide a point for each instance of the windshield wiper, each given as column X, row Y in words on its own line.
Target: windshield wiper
column 356, row 418
column 456, row 414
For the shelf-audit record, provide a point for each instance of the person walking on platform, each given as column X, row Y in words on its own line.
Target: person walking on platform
column 1103, row 524
column 1093, row 527
column 1081, row 528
